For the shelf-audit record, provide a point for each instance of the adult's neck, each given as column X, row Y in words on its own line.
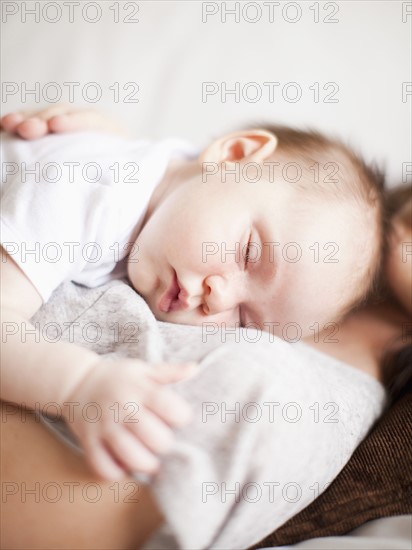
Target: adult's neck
column 365, row 336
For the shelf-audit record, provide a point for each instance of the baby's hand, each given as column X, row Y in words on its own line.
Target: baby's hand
column 58, row 119
column 123, row 415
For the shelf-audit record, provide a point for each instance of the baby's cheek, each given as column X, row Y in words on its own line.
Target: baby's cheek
column 195, row 247
column 229, row 318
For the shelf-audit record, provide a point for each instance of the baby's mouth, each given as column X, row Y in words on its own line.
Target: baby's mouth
column 175, row 298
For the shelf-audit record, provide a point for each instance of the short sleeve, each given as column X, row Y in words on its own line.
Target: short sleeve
column 57, row 217
column 51, row 230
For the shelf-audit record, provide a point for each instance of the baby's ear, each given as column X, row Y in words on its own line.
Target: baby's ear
column 244, row 146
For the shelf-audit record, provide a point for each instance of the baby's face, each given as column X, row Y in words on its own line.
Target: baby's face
column 298, row 268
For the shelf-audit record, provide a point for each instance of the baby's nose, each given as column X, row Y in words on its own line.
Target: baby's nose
column 221, row 294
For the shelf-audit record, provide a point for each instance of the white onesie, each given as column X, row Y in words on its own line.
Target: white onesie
column 72, row 204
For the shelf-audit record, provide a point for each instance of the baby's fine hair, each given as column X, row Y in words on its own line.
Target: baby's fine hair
column 361, row 183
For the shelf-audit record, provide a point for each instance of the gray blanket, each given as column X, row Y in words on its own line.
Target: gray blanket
column 273, row 422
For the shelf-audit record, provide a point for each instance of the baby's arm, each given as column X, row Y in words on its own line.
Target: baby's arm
column 59, row 119
column 36, row 373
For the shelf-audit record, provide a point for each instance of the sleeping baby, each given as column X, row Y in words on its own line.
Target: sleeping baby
column 266, row 227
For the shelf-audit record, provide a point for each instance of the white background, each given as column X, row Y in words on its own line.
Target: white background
column 175, row 47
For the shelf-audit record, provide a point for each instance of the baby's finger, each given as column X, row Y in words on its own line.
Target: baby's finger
column 36, row 125
column 9, row 122
column 73, row 122
column 103, row 463
column 79, row 121
column 168, row 406
column 151, row 431
column 167, row 373
column 54, row 110
column 33, row 124
column 130, row 452
column 32, row 128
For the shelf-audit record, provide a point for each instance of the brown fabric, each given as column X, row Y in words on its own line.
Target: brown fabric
column 376, row 482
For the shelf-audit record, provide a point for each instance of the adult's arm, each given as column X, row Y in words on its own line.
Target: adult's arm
column 51, row 499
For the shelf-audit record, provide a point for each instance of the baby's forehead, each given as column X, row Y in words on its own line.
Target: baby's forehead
column 318, row 223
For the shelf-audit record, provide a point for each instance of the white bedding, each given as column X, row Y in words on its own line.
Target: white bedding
column 350, row 73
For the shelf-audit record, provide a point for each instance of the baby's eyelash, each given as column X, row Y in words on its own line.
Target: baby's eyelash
column 247, row 251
